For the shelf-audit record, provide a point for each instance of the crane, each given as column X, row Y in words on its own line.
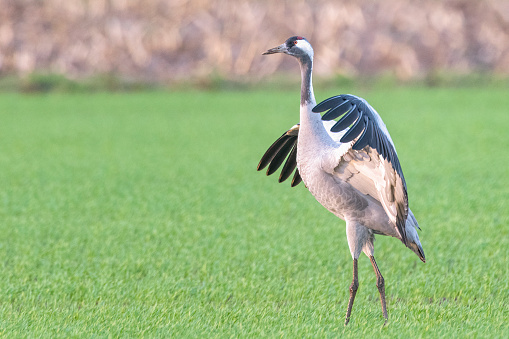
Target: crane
column 350, row 166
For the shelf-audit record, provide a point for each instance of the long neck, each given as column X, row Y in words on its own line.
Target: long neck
column 307, row 96
column 311, row 125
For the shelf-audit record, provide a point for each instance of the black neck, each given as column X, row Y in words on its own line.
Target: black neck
column 306, row 68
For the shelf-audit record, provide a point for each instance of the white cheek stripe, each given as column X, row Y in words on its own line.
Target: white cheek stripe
column 305, row 46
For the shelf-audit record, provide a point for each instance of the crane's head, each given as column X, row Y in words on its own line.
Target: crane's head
column 296, row 46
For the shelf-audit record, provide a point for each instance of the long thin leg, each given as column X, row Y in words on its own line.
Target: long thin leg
column 380, row 283
column 353, row 290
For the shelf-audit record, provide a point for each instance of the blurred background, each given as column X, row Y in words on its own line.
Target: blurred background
column 172, row 41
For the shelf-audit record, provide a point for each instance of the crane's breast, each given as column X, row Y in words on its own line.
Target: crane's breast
column 339, row 196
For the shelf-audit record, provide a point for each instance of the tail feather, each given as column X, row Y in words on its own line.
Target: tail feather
column 412, row 240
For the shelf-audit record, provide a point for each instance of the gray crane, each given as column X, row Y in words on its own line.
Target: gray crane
column 349, row 165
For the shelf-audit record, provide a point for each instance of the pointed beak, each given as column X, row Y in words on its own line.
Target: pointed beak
column 279, row 49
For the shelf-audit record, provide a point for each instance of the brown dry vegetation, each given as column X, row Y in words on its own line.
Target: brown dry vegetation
column 177, row 39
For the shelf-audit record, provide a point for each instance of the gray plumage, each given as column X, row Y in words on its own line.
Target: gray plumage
column 350, row 166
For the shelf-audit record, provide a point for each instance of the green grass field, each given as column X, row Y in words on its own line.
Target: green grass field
column 142, row 214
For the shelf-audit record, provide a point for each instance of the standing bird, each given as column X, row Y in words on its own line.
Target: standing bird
column 350, row 166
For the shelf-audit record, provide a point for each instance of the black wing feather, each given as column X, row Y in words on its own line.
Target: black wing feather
column 337, row 111
column 360, row 114
column 290, row 164
column 272, row 151
column 347, row 119
column 364, row 138
column 285, row 147
column 327, row 104
column 296, row 178
column 280, row 156
column 355, row 130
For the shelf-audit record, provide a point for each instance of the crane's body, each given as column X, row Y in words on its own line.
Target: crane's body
column 350, row 167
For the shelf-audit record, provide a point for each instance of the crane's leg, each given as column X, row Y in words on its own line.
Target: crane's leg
column 353, row 290
column 380, row 283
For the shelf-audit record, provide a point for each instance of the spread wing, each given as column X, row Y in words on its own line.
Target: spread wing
column 283, row 148
column 372, row 165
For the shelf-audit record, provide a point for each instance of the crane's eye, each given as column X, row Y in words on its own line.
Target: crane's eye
column 295, row 42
